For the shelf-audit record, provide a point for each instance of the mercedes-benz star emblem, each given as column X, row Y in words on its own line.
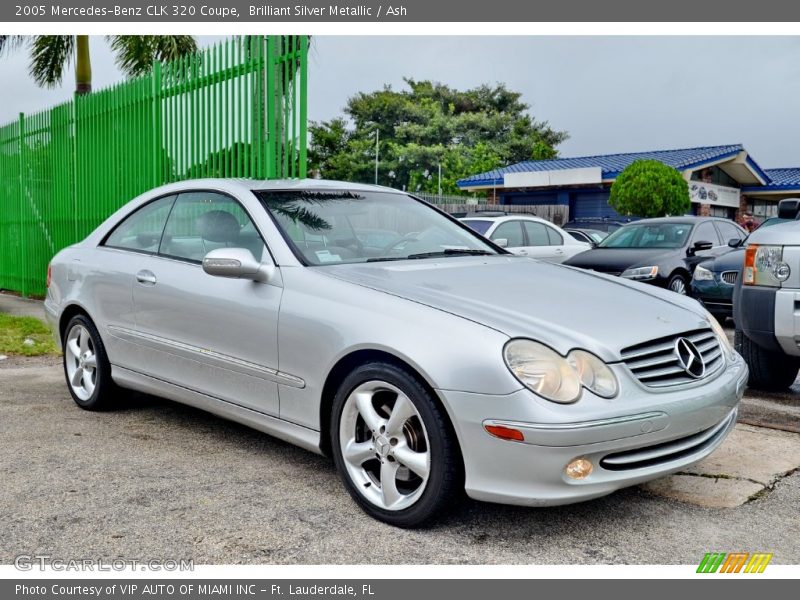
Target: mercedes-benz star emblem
column 689, row 358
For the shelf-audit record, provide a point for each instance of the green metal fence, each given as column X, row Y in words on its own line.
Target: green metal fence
column 237, row 109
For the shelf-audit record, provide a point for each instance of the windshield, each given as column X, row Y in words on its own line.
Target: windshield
column 649, row 235
column 597, row 236
column 334, row 227
column 477, row 225
column 774, row 221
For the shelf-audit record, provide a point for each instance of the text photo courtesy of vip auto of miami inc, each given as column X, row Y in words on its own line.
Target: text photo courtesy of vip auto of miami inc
column 272, row 300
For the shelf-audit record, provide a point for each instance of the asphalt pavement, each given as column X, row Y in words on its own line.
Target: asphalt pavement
column 156, row 479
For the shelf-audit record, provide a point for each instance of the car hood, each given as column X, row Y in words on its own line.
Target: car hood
column 730, row 261
column 520, row 297
column 618, row 259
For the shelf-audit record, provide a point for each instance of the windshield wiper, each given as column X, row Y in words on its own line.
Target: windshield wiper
column 385, row 258
column 446, row 252
column 451, row 252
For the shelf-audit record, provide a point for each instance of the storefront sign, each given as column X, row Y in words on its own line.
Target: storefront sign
column 713, row 194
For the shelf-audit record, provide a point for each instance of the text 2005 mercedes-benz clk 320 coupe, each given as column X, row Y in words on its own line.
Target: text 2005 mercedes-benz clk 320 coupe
column 362, row 322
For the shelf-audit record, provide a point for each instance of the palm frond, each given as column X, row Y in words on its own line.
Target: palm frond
column 9, row 43
column 50, row 55
column 135, row 54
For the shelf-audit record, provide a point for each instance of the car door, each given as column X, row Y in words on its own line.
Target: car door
column 729, row 232
column 511, row 232
column 214, row 335
column 119, row 256
column 541, row 243
column 703, row 232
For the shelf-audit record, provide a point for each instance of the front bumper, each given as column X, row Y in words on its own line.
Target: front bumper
column 670, row 431
column 716, row 296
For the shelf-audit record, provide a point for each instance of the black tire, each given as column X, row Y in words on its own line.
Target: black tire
column 105, row 393
column 445, row 484
column 770, row 371
column 676, row 282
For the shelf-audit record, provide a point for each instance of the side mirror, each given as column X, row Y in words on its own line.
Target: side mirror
column 502, row 242
column 699, row 247
column 734, row 242
column 235, row 263
column 789, row 208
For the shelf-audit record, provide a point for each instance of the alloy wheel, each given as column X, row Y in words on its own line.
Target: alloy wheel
column 678, row 285
column 81, row 362
column 385, row 446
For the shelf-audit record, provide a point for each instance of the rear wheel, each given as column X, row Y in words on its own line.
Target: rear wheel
column 771, row 371
column 678, row 284
column 393, row 447
column 86, row 365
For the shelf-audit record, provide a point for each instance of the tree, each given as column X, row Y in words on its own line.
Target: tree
column 649, row 188
column 135, row 54
column 427, row 126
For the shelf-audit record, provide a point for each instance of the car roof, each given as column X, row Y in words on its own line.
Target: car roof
column 506, row 218
column 278, row 184
column 584, row 229
column 688, row 219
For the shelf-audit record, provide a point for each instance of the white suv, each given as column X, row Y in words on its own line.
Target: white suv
column 527, row 235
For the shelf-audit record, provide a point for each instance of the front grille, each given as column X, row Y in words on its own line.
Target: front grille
column 666, row 452
column 729, row 277
column 656, row 364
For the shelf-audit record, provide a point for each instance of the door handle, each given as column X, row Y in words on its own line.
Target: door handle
column 146, row 277
column 522, row 252
column 559, row 251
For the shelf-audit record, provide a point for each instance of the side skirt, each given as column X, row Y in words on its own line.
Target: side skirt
column 283, row 430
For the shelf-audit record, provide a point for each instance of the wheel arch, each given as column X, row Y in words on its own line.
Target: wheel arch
column 70, row 311
column 355, row 359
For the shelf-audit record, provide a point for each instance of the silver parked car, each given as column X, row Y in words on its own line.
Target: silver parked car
column 427, row 360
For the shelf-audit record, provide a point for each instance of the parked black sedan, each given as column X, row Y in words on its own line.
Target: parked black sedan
column 663, row 252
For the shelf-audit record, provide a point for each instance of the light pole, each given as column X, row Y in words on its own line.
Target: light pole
column 377, row 150
column 440, row 178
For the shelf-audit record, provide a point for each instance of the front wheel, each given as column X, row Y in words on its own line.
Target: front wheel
column 770, row 371
column 86, row 365
column 393, row 447
column 678, row 284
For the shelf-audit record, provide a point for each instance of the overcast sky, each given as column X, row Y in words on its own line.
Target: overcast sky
column 612, row 94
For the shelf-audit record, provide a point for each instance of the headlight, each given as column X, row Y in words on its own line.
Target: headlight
column 640, row 273
column 703, row 274
column 593, row 373
column 727, row 349
column 555, row 378
column 763, row 265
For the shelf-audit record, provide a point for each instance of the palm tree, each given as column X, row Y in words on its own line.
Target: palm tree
column 135, row 55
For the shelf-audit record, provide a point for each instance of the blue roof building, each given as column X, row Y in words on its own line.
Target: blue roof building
column 722, row 180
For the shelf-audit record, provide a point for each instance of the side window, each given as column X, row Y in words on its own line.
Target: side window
column 537, row 234
column 556, row 239
column 729, row 231
column 204, row 221
column 705, row 232
column 141, row 231
column 511, row 231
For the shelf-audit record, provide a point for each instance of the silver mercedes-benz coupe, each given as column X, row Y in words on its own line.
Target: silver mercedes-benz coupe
column 362, row 322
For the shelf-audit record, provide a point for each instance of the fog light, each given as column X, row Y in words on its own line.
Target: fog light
column 580, row 468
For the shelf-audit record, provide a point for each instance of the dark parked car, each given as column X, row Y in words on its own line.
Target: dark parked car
column 663, row 252
column 590, row 236
column 714, row 280
column 598, row 223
